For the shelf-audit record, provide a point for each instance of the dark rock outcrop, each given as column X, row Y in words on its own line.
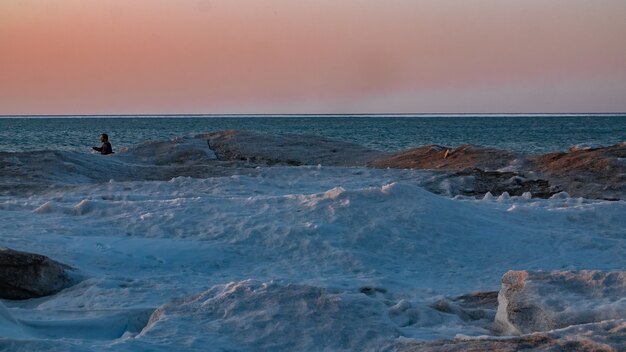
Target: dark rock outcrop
column 473, row 306
column 589, row 173
column 26, row 275
column 290, row 150
column 477, row 182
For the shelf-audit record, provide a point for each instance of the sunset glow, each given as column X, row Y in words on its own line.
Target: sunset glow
column 279, row 56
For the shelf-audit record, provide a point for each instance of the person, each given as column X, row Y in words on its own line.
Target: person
column 106, row 146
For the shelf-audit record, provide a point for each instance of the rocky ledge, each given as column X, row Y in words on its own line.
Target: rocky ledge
column 26, row 275
column 586, row 172
column 288, row 149
column 436, row 157
column 598, row 173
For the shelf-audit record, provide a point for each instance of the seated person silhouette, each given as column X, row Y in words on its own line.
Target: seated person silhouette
column 106, row 146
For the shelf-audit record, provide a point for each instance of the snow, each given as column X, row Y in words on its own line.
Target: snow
column 283, row 258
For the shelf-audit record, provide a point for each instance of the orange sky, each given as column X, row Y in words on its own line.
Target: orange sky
column 322, row 56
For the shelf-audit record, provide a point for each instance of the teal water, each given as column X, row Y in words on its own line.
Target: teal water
column 531, row 134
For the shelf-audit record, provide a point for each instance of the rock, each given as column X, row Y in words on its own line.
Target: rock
column 436, row 157
column 550, row 311
column 471, row 170
column 586, row 172
column 476, row 183
column 288, row 149
column 27, row 275
column 473, row 306
column 542, row 301
column 606, row 336
column 583, row 171
column 177, row 151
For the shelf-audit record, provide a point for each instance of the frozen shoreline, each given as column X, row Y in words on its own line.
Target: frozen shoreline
column 276, row 258
column 592, row 172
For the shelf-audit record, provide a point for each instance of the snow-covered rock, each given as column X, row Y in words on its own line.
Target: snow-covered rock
column 543, row 301
column 597, row 172
column 27, row 275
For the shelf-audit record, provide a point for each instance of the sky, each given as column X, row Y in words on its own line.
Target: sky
column 321, row 56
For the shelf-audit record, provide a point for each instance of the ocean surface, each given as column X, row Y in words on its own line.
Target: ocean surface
column 281, row 258
column 524, row 133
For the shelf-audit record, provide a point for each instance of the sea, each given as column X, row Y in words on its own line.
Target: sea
column 523, row 133
column 279, row 258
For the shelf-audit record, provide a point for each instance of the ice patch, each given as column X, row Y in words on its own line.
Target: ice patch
column 305, row 232
column 47, row 208
column 584, row 146
column 9, row 326
column 253, row 316
column 504, row 197
column 561, row 195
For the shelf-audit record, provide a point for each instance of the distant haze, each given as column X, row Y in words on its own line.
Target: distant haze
column 322, row 56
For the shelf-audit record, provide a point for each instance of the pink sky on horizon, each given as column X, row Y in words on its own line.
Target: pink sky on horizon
column 323, row 56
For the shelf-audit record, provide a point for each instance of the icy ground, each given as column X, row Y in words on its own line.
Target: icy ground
column 283, row 258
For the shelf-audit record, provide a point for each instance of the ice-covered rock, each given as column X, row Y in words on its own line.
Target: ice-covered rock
column 498, row 183
column 542, row 301
column 473, row 306
column 590, row 172
column 586, row 172
column 471, row 170
column 293, row 150
column 606, row 336
column 32, row 172
column 477, row 183
column 26, row 275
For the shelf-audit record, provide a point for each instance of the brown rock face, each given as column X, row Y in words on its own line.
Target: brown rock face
column 474, row 167
column 436, row 157
column 598, row 173
column 589, row 173
column 27, row 275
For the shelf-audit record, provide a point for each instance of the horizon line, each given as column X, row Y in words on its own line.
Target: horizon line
column 451, row 114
